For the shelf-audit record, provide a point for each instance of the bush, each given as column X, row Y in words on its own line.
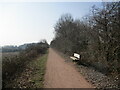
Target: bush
column 16, row 63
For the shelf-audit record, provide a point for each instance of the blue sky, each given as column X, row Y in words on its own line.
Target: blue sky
column 27, row 22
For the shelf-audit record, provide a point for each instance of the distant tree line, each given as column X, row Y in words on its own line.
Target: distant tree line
column 14, row 65
column 96, row 37
column 11, row 48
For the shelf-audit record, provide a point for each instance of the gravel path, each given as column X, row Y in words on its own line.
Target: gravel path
column 60, row 74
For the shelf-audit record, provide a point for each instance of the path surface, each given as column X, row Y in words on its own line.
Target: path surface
column 60, row 74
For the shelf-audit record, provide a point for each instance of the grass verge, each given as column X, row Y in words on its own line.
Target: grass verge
column 40, row 66
column 33, row 74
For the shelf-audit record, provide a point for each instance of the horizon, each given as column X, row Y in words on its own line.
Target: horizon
column 30, row 22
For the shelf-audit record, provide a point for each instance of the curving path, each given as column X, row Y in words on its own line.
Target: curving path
column 60, row 74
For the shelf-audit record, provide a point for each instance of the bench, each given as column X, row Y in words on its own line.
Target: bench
column 75, row 57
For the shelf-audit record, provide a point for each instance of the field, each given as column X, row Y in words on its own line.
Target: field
column 0, row 70
column 0, row 62
column 7, row 54
column 0, row 56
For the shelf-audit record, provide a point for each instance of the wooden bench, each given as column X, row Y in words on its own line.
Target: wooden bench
column 75, row 57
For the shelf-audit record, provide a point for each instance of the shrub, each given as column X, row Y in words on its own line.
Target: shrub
column 16, row 63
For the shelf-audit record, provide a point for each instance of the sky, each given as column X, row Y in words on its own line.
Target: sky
column 28, row 22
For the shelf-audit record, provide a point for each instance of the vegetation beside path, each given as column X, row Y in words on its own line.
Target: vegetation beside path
column 33, row 75
column 17, row 70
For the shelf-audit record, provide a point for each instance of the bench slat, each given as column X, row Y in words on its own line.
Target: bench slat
column 73, row 58
column 76, row 55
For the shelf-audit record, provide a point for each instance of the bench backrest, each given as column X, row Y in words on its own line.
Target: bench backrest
column 77, row 55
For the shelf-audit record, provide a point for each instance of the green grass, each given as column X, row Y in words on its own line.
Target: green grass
column 40, row 66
